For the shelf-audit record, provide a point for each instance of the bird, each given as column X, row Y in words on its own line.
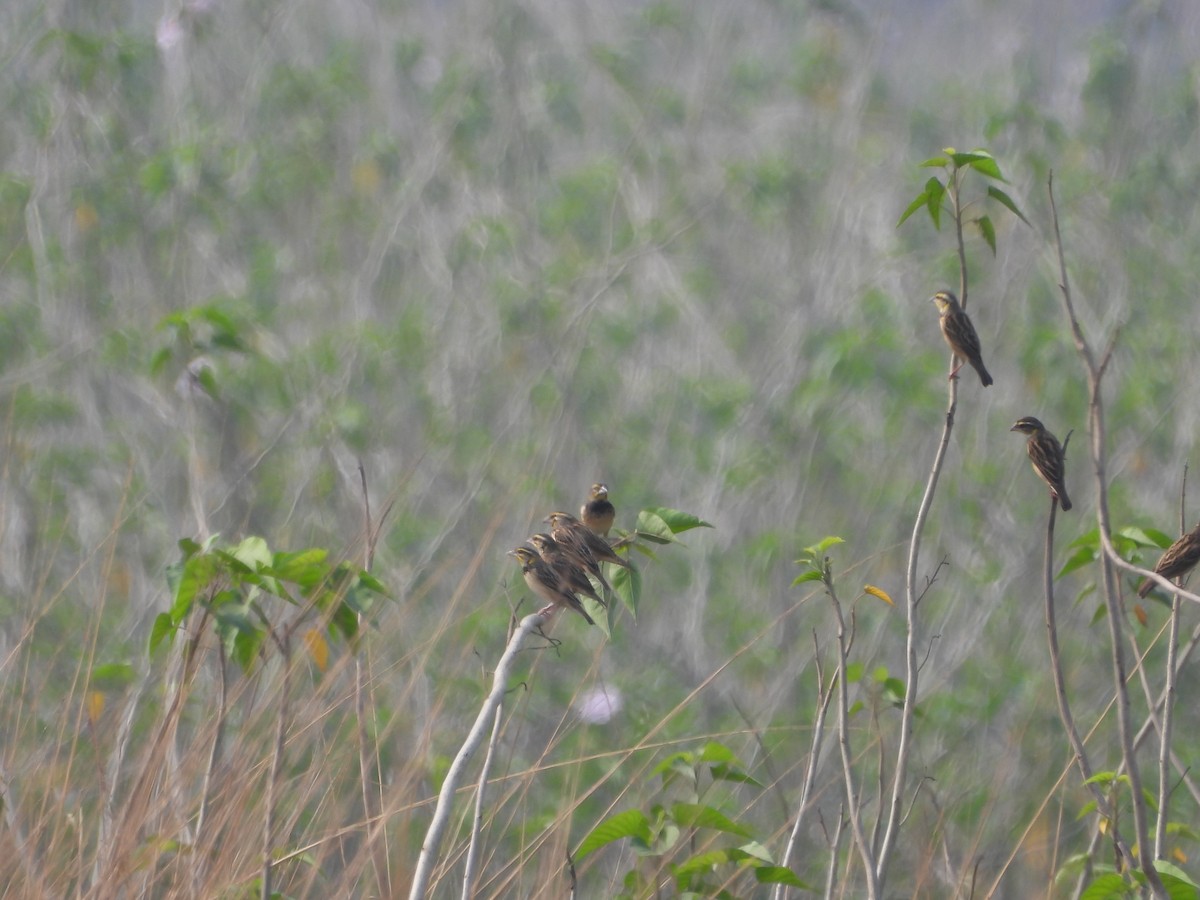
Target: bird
column 566, row 529
column 565, row 564
column 598, row 513
column 960, row 335
column 546, row 583
column 1046, row 454
column 1178, row 560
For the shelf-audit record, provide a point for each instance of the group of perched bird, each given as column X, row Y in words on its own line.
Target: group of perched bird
column 1044, row 450
column 559, row 565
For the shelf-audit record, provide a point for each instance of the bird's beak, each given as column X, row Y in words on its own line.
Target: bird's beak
column 511, row 553
column 1014, row 428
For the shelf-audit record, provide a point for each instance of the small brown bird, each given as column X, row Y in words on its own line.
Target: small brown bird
column 568, row 530
column 960, row 335
column 1046, row 454
column 1178, row 560
column 598, row 513
column 565, row 564
column 545, row 582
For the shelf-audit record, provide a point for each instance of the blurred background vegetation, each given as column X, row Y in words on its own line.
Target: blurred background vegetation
column 499, row 250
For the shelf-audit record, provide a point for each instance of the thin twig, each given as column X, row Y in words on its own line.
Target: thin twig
column 1168, row 703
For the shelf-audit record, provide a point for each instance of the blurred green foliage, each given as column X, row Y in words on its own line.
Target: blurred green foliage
column 494, row 252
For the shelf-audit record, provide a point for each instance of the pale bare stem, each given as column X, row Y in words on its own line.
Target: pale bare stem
column 1108, row 575
column 441, row 814
column 835, row 844
column 912, row 600
column 853, row 802
column 824, row 695
column 472, row 863
column 1060, row 690
column 1168, row 702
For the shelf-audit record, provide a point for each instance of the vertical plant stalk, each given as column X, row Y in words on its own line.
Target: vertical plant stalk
column 472, row 864
column 364, row 712
column 1095, row 374
column 1060, row 691
column 824, row 695
column 199, row 870
column 441, row 814
column 894, row 810
column 276, row 766
column 853, row 802
column 1168, row 704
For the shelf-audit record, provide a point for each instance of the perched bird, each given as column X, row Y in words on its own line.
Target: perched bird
column 1178, row 560
column 598, row 513
column 546, row 583
column 960, row 335
column 565, row 564
column 568, row 530
column 1046, row 455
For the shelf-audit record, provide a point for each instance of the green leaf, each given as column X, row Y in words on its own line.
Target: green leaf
column 722, row 772
column 632, row 823
column 983, row 163
column 1170, row 870
column 1084, row 556
column 922, row 199
column 653, row 526
column 253, row 552
column 988, row 230
column 1106, row 887
column 854, row 672
column 818, row 549
column 1147, row 537
column 677, row 520
column 163, row 629
column 627, row 584
column 112, row 676
column 779, row 875
column 996, row 194
column 704, row 862
column 696, row 815
column 715, row 752
column 934, row 162
column 812, row 575
column 306, row 568
column 934, row 191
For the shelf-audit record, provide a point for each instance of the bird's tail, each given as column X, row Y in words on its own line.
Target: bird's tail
column 985, row 377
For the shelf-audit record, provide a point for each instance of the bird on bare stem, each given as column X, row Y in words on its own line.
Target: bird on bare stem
column 960, row 335
column 1046, row 454
column 1176, row 561
column 547, row 583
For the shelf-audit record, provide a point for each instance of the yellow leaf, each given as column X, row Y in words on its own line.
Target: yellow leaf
column 318, row 648
column 878, row 592
column 1140, row 612
column 95, row 706
column 366, row 177
column 1180, row 856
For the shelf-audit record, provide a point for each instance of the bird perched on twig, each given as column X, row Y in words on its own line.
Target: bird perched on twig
column 568, row 530
column 546, row 583
column 598, row 513
column 1177, row 560
column 1046, row 454
column 960, row 335
column 565, row 564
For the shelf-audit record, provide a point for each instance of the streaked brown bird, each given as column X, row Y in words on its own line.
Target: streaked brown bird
column 1046, row 454
column 546, row 583
column 566, row 565
column 598, row 513
column 1178, row 560
column 568, row 530
column 960, row 335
